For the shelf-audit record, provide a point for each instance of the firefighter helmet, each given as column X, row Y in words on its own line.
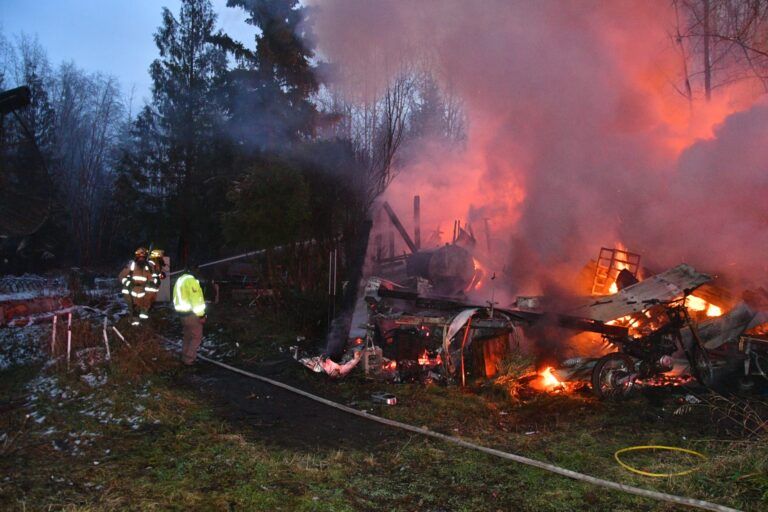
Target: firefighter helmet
column 156, row 254
column 141, row 253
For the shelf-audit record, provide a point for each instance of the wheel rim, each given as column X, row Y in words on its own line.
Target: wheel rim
column 614, row 378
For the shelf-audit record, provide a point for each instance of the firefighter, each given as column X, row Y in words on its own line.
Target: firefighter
column 189, row 301
column 156, row 266
column 135, row 278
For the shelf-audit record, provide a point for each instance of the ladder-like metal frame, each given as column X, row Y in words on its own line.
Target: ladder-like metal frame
column 609, row 263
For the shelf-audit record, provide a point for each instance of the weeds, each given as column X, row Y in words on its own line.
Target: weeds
column 732, row 414
column 514, row 366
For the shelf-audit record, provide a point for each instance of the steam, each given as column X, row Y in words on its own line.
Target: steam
column 576, row 137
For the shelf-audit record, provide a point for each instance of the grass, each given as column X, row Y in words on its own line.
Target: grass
column 179, row 455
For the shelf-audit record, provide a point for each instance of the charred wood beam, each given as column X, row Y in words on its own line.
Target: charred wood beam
column 399, row 226
column 571, row 322
column 417, row 221
column 586, row 324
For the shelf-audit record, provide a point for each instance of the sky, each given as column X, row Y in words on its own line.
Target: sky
column 109, row 36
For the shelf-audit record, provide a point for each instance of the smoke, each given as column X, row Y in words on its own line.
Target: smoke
column 576, row 136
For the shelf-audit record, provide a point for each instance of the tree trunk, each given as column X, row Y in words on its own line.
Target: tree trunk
column 707, row 51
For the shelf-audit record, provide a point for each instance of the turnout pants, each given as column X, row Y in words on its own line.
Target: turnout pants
column 193, row 335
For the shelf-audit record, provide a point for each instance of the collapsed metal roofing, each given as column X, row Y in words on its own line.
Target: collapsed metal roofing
column 635, row 298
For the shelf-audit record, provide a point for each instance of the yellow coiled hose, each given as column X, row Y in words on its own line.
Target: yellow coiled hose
column 657, row 447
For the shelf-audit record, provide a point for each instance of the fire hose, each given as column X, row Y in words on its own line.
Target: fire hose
column 637, row 491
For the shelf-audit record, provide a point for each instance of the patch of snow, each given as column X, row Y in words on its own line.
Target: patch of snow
column 22, row 345
column 30, row 286
column 94, row 381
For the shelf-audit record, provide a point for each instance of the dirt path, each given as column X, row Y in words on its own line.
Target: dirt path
column 283, row 418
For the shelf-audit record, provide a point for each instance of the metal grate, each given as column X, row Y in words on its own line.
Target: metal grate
column 609, row 263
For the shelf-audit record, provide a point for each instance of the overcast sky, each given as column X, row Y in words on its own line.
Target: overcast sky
column 111, row 36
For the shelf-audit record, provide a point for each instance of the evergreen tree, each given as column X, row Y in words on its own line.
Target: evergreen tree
column 186, row 79
column 269, row 93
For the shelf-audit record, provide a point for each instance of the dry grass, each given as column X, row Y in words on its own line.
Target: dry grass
column 733, row 415
column 84, row 335
column 142, row 354
column 511, row 369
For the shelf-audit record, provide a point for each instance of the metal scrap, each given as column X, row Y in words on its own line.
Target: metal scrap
column 635, row 298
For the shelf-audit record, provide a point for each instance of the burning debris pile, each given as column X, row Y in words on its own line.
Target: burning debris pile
column 416, row 320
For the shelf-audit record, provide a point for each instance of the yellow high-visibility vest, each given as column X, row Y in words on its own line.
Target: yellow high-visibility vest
column 188, row 296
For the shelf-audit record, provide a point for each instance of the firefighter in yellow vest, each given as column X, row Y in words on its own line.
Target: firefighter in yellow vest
column 189, row 301
column 135, row 278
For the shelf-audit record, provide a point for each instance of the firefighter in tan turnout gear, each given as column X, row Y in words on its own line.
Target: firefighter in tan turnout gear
column 156, row 265
column 188, row 300
column 139, row 285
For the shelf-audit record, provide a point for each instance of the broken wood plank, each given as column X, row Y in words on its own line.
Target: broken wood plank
column 399, row 226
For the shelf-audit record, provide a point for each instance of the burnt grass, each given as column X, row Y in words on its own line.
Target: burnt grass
column 202, row 438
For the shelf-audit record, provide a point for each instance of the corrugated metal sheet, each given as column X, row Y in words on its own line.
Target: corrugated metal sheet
column 633, row 299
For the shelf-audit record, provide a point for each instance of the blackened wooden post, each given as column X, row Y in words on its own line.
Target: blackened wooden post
column 53, row 335
column 69, row 338
column 417, row 222
column 106, row 339
column 399, row 226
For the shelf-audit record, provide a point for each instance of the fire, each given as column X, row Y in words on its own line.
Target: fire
column 695, row 303
column 390, row 366
column 425, row 360
column 620, row 251
column 479, row 278
column 546, row 381
column 621, row 320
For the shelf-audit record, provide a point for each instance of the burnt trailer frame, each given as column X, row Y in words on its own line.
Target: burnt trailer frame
column 405, row 324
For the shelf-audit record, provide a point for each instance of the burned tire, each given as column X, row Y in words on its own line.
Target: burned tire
column 612, row 377
column 701, row 366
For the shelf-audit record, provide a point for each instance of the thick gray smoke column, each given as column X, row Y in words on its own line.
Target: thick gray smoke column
column 574, row 129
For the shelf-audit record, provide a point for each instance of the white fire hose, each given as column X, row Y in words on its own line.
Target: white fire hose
column 660, row 496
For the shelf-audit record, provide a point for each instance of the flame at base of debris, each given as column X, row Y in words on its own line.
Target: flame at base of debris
column 425, row 360
column 546, row 381
column 665, row 379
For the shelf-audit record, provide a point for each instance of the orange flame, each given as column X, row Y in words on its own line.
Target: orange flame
column 695, row 303
column 546, row 381
column 424, row 359
column 713, row 311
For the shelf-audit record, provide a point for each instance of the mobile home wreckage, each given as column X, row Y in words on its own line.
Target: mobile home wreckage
column 413, row 321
